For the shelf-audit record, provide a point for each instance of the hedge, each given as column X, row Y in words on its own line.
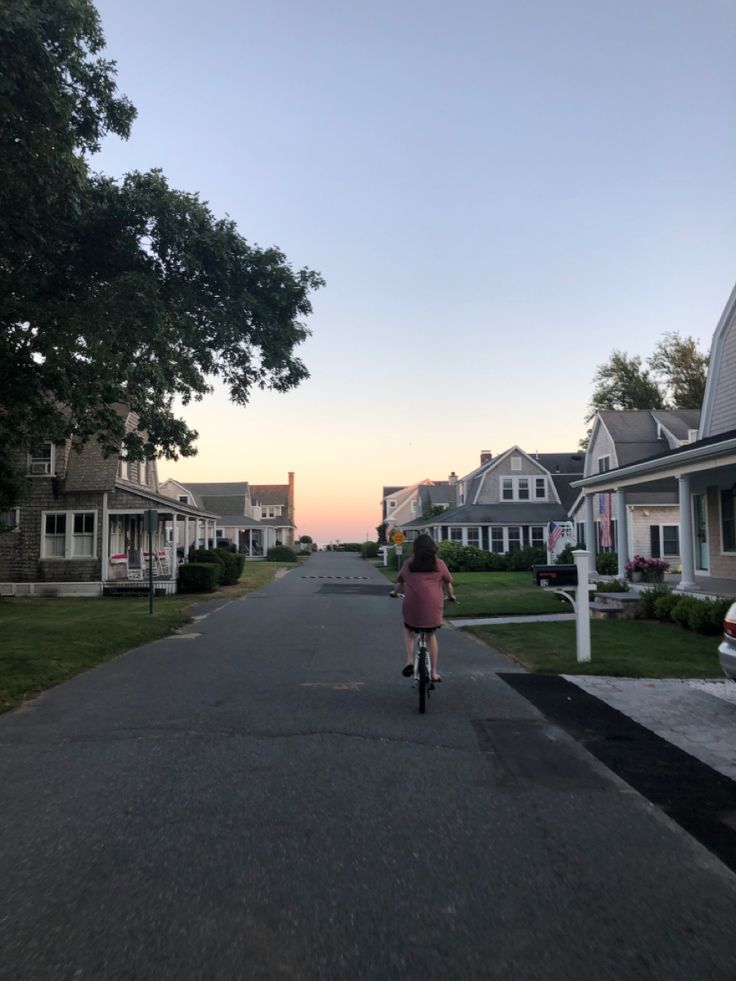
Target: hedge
column 369, row 550
column 701, row 615
column 280, row 553
column 199, row 577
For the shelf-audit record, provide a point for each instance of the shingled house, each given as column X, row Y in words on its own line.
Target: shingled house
column 81, row 531
column 252, row 517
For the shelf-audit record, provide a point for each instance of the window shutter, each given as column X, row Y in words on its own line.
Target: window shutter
column 654, row 541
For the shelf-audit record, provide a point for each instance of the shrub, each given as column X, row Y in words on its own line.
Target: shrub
column 369, row 550
column 648, row 597
column 451, row 554
column 199, row 577
column 718, row 611
column 232, row 566
column 566, row 557
column 305, row 551
column 612, row 586
column 351, row 547
column 209, row 556
column 523, row 559
column 281, row 553
column 685, row 608
column 606, row 563
column 664, row 605
column 496, row 562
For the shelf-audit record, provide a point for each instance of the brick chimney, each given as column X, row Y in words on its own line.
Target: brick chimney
column 452, row 479
column 485, row 456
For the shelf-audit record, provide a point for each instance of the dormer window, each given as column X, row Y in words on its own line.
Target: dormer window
column 41, row 461
column 604, row 464
column 391, row 505
column 124, row 465
column 183, row 499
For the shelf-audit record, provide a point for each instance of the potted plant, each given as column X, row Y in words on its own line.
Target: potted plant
column 636, row 568
column 655, row 570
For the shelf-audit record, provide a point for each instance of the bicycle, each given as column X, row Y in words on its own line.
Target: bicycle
column 422, row 670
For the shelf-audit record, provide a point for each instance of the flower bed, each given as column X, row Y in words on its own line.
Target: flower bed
column 641, row 569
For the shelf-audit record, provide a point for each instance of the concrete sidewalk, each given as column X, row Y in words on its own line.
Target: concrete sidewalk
column 696, row 715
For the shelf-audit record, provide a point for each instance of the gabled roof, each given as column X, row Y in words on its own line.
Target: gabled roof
column 718, row 370
column 219, row 489
column 269, row 493
column 565, row 492
column 678, row 421
column 561, row 462
column 503, row 513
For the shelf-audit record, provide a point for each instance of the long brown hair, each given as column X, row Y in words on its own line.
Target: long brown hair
column 425, row 555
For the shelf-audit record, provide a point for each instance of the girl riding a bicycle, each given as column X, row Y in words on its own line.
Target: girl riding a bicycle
column 425, row 579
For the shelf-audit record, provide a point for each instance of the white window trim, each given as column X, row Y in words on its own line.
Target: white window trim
column 670, row 524
column 51, row 463
column 530, row 478
column 721, row 549
column 69, row 536
column 607, row 457
column 546, row 489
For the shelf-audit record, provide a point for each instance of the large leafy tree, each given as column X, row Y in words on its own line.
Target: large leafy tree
column 622, row 383
column 682, row 370
column 674, row 379
column 115, row 291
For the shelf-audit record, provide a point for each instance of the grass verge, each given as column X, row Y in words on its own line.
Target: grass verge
column 496, row 594
column 46, row 641
column 620, row 648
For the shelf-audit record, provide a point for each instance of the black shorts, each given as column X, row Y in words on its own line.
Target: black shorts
column 421, row 630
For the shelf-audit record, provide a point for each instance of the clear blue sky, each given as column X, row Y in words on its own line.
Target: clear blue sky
column 498, row 194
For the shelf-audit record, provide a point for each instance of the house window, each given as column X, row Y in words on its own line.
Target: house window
column 391, row 505
column 456, row 534
column 728, row 521
column 143, row 472
column 414, row 507
column 540, row 488
column 54, row 539
column 461, row 493
column 537, row 536
column 516, row 463
column 123, row 465
column 68, row 535
column 474, row 537
column 41, row 461
column 507, row 489
column 83, row 537
column 514, row 539
column 580, row 533
column 670, row 540
column 183, row 499
column 9, row 520
column 497, row 540
column 604, row 464
column 523, row 488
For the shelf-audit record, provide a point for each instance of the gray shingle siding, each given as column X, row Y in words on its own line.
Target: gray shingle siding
column 723, row 417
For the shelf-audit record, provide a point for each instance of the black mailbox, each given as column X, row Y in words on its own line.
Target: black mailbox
column 555, row 575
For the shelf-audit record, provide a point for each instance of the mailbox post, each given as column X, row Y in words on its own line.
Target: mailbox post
column 571, row 581
column 582, row 613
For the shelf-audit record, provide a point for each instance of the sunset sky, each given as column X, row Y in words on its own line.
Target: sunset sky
column 498, row 195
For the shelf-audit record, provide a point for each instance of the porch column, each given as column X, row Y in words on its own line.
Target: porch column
column 589, row 519
column 250, row 543
column 105, row 557
column 186, row 537
column 622, row 533
column 687, row 580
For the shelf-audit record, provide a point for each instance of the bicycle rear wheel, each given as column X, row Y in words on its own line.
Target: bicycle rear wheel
column 423, row 678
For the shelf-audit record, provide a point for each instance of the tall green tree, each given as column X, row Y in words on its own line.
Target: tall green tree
column 622, row 383
column 682, row 369
column 115, row 291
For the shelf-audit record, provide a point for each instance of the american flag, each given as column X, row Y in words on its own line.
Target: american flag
column 553, row 535
column 604, row 517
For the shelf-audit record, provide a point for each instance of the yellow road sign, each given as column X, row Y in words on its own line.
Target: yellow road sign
column 398, row 537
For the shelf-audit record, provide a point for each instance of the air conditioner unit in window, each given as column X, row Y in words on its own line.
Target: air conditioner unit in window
column 41, row 468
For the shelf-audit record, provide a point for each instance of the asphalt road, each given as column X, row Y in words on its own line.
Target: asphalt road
column 259, row 798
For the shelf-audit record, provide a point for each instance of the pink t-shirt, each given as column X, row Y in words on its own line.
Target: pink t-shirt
column 423, row 595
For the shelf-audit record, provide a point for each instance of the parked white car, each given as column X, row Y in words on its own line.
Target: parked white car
column 727, row 647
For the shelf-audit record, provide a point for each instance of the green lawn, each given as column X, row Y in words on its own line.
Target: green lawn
column 45, row 640
column 495, row 594
column 620, row 648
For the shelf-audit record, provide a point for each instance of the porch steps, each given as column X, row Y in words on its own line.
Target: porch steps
column 615, row 606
